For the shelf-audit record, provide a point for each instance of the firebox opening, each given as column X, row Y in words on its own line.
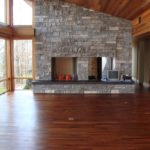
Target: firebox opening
column 63, row 68
column 74, row 68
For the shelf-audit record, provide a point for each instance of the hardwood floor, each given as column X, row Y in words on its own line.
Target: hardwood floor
column 74, row 122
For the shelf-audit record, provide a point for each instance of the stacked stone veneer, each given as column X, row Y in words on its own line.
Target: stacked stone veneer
column 85, row 88
column 66, row 30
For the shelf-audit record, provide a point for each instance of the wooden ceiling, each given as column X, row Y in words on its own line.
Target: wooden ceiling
column 128, row 9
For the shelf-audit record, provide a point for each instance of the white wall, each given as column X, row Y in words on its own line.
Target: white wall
column 141, row 61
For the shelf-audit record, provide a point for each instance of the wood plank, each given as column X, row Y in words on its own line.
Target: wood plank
column 138, row 10
column 143, row 27
column 130, row 7
column 23, row 32
column 104, row 4
column 110, row 6
column 74, row 122
column 122, row 6
column 6, row 32
column 115, row 6
column 126, row 8
column 9, row 66
column 17, row 32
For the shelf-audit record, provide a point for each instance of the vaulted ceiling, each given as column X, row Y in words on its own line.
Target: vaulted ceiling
column 128, row 9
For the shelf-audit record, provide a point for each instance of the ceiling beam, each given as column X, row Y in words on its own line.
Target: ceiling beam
column 17, row 32
column 6, row 32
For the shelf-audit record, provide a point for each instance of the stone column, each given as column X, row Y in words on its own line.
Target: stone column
column 82, row 68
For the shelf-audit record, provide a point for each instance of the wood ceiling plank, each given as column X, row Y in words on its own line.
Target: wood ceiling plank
column 143, row 26
column 95, row 4
column 122, row 5
column 138, row 11
column 110, row 6
column 104, row 4
column 127, row 9
column 134, row 4
column 115, row 6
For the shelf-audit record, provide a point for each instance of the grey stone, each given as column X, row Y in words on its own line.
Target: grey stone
column 66, row 30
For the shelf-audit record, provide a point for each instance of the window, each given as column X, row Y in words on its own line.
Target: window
column 3, row 66
column 2, row 59
column 22, row 63
column 22, row 12
column 3, row 87
column 2, row 11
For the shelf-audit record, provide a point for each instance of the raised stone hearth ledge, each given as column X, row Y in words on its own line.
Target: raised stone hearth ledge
column 83, row 87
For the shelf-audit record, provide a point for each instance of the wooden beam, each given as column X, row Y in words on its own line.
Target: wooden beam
column 17, row 32
column 10, row 65
column 141, row 24
column 6, row 32
column 23, row 32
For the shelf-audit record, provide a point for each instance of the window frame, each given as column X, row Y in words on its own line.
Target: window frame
column 5, row 79
column 22, row 32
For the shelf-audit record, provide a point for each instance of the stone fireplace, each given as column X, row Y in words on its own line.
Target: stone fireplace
column 80, row 38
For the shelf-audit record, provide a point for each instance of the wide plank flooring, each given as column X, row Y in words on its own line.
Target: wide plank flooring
column 74, row 122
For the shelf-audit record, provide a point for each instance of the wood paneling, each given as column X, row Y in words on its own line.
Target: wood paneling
column 74, row 122
column 141, row 24
column 128, row 9
column 121, row 8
